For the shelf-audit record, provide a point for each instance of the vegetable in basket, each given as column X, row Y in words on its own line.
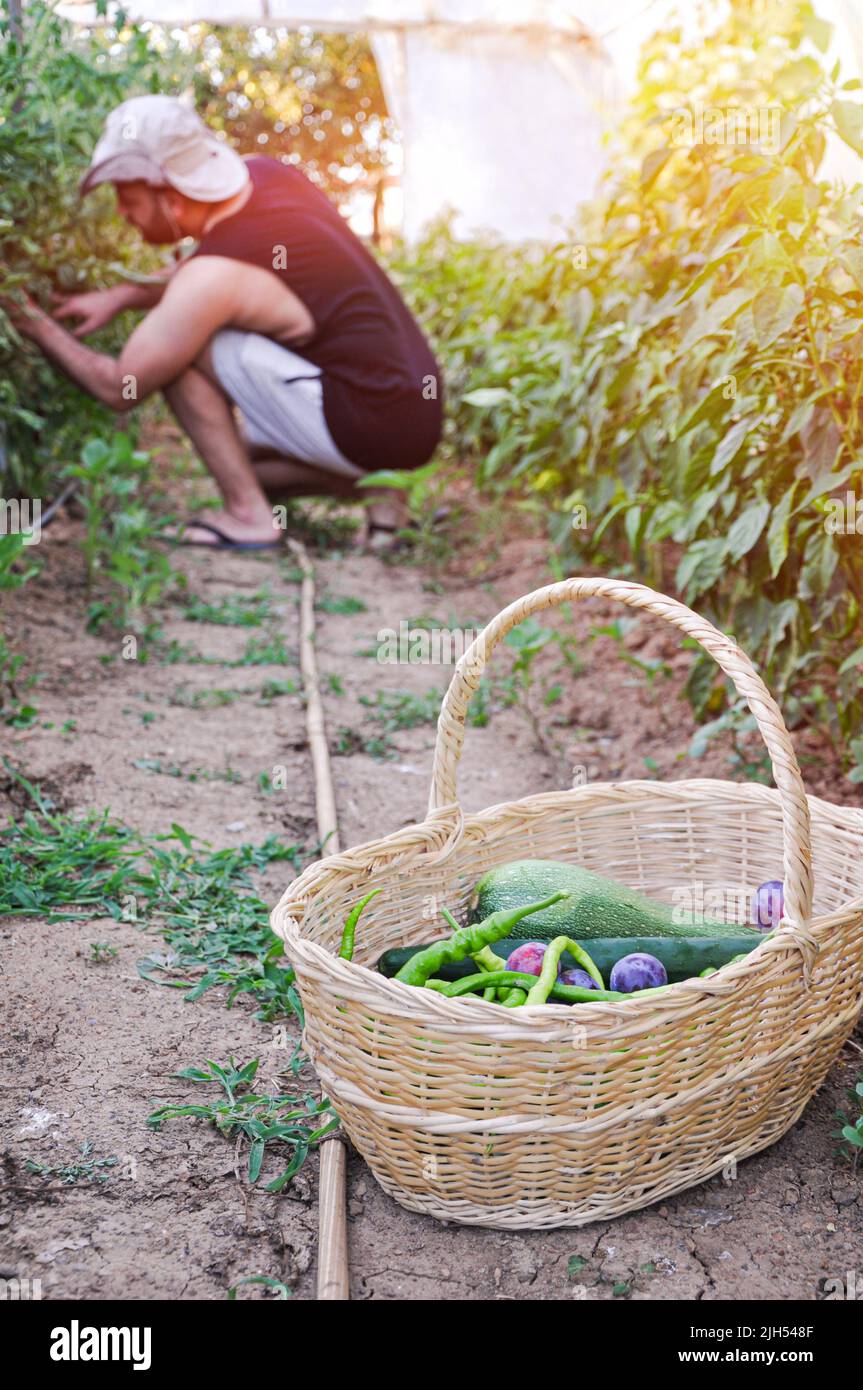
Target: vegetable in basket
column 596, row 906
column 527, row 957
column 683, row 957
column 637, row 971
column 558, row 993
column 540, row 991
column 768, row 904
column 346, row 950
column 468, row 941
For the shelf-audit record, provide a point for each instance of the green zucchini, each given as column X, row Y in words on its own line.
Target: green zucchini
column 596, row 907
column 682, row 956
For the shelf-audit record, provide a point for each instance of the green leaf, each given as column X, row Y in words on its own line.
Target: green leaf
column 797, row 79
column 256, row 1158
column 852, row 259
column 777, row 533
column 745, row 531
column 701, row 566
column 774, row 311
column 711, row 406
column 728, row 447
column 818, row 30
column 653, row 165
column 855, row 659
column 848, row 117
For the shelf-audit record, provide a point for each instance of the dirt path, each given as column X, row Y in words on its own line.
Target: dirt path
column 89, row 1048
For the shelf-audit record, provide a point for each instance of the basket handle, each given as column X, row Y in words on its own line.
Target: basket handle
column 797, row 853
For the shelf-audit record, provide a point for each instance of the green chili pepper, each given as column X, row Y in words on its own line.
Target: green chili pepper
column 467, row 941
column 564, row 994
column 346, row 950
column 487, row 960
column 486, row 957
column 511, row 998
column 550, row 962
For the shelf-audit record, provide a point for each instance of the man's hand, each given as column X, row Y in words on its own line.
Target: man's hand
column 94, row 309
column 25, row 314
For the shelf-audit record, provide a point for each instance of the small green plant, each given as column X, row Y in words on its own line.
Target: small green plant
column 265, row 651
column 215, row 698
column 176, row 653
column 14, row 573
column 652, row 672
column 101, row 952
column 339, row 603
column 257, row 1118
column 232, row 610
column 527, row 641
column 83, row 1169
column 738, row 724
column 62, row 867
column 274, row 690
column 197, row 774
column 851, row 1133
column 125, row 573
column 349, row 741
column 402, row 709
column 425, row 491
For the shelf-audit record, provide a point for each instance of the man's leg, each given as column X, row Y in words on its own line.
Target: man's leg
column 282, row 477
column 205, row 413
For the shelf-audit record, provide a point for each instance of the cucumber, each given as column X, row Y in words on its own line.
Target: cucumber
column 597, row 906
column 682, row 956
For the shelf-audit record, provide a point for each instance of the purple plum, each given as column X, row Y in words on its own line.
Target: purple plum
column 573, row 976
column 768, row 904
column 638, row 971
column 527, row 957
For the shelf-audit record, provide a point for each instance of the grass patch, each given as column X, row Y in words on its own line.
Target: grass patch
column 83, row 1169
column 239, row 1113
column 66, row 868
column 232, row 610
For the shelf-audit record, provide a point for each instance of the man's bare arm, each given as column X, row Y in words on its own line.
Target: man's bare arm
column 204, row 295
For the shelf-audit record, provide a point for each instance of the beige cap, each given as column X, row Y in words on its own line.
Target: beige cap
column 160, row 140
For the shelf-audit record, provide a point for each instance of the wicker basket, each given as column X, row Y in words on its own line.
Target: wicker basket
column 556, row 1116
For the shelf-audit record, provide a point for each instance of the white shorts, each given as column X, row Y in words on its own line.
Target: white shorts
column 280, row 397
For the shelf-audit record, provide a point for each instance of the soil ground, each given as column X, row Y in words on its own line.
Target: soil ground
column 89, row 1049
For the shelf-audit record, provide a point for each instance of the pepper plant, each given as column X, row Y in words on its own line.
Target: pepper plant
column 678, row 380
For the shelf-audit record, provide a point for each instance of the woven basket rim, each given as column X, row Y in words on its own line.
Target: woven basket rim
column 350, row 978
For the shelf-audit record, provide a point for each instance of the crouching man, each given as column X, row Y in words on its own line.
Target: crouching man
column 280, row 311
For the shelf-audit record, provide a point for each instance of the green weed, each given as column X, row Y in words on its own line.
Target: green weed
column 83, row 1169
column 259, row 1119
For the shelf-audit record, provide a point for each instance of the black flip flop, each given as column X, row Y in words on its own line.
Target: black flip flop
column 223, row 541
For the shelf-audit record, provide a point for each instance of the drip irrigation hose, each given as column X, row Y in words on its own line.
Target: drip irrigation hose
column 333, row 1282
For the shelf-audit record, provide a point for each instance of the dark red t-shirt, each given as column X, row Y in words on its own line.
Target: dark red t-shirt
column 382, row 388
